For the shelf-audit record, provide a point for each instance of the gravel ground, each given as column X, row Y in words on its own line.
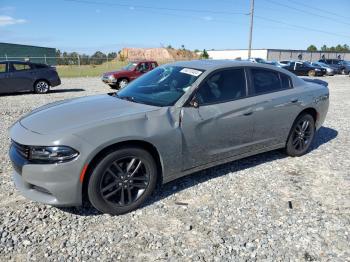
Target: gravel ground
column 267, row 207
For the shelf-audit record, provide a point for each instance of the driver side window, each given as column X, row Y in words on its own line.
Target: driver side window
column 223, row 86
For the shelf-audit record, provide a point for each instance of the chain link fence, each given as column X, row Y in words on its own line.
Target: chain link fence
column 81, row 65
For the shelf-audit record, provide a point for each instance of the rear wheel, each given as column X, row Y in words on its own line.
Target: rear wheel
column 343, row 71
column 312, row 73
column 41, row 87
column 301, row 135
column 122, row 181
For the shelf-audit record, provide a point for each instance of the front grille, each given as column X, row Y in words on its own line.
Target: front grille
column 21, row 149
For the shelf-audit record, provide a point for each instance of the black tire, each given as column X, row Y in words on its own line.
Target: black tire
column 301, row 136
column 123, row 83
column 41, row 87
column 116, row 189
column 114, row 86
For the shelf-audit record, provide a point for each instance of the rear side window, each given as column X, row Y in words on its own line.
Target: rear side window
column 3, row 68
column 38, row 66
column 267, row 81
column 286, row 81
column 222, row 86
column 20, row 67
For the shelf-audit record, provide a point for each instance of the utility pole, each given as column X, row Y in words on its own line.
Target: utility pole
column 251, row 27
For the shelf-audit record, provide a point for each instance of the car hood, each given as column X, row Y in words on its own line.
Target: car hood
column 76, row 113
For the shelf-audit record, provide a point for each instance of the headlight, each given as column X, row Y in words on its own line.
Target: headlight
column 111, row 77
column 52, row 154
column 317, row 69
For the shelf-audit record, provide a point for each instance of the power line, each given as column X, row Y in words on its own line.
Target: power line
column 320, row 9
column 307, row 12
column 204, row 11
column 301, row 27
column 158, row 8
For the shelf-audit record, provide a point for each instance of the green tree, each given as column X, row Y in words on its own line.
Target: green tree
column 112, row 55
column 98, row 58
column 324, row 48
column 312, row 48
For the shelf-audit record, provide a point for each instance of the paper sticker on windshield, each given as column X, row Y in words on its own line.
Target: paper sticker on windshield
column 192, row 72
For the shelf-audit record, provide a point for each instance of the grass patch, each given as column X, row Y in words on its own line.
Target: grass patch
column 88, row 70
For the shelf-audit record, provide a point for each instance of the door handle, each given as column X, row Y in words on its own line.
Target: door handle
column 294, row 100
column 248, row 113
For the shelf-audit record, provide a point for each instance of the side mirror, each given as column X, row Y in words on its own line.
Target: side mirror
column 194, row 103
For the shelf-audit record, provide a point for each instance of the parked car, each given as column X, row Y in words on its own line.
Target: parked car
column 330, row 71
column 257, row 60
column 285, row 62
column 120, row 78
column 17, row 76
column 175, row 120
column 275, row 63
column 305, row 69
column 340, row 65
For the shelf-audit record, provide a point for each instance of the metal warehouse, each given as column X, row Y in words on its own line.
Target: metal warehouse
column 26, row 52
column 277, row 54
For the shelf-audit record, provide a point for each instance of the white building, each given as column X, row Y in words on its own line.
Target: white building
column 277, row 54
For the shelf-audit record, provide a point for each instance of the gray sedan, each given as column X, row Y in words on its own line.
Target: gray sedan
column 180, row 118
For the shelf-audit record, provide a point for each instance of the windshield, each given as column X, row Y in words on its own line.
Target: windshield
column 130, row 66
column 321, row 64
column 162, row 86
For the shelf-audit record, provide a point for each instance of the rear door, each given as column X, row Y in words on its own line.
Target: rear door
column 277, row 105
column 4, row 87
column 22, row 76
column 222, row 125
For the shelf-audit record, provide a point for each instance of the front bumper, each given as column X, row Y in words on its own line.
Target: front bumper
column 53, row 184
column 107, row 80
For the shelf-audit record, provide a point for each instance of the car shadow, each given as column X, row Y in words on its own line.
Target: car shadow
column 67, row 90
column 52, row 91
column 324, row 135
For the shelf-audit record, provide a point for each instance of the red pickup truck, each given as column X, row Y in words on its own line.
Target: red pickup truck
column 119, row 79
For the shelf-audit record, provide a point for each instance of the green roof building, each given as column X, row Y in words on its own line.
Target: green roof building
column 34, row 54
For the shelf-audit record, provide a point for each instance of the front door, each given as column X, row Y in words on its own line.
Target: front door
column 222, row 125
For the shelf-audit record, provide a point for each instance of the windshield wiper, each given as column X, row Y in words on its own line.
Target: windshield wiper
column 129, row 98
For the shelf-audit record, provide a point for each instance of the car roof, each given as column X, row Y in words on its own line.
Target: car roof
column 142, row 61
column 217, row 64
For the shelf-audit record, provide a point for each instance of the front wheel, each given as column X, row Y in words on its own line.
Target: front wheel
column 41, row 87
column 301, row 135
column 122, row 181
column 123, row 83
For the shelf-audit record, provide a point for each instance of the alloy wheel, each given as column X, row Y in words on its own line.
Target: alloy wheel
column 42, row 87
column 302, row 135
column 124, row 181
column 123, row 83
